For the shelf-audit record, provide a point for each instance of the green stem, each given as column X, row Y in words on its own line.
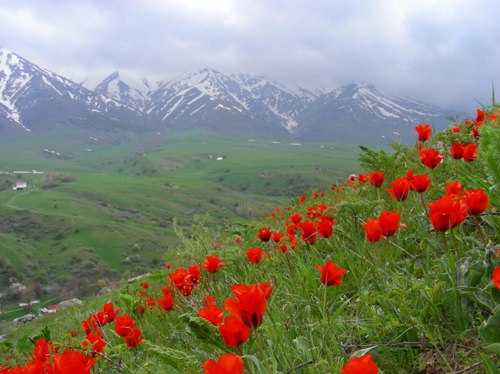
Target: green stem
column 479, row 230
column 261, row 349
column 423, row 203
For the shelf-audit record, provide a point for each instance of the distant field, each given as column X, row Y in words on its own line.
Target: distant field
column 102, row 214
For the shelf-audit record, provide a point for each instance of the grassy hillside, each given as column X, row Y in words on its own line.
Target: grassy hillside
column 104, row 214
column 412, row 286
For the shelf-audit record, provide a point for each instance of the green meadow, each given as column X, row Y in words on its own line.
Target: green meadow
column 99, row 214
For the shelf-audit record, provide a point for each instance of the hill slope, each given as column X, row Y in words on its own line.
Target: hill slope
column 392, row 283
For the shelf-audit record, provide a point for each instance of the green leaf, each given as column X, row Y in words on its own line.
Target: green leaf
column 494, row 348
column 490, row 329
column 489, row 366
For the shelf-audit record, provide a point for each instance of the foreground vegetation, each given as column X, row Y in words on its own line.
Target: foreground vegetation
column 395, row 266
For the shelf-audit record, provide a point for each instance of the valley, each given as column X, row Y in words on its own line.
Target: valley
column 94, row 218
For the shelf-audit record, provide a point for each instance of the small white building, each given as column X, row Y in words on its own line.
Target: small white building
column 19, row 186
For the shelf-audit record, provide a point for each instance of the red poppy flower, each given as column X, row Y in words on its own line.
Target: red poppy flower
column 264, row 234
column 447, row 212
column 373, row 230
column 145, row 285
column 309, row 233
column 212, row 264
column 133, row 338
column 420, row 183
column 476, row 201
column 360, row 365
column 495, row 279
column 209, row 300
column 254, row 255
column 212, row 314
column 361, row 178
column 228, row 363
column 277, row 236
column 123, row 324
column 430, row 157
column 456, row 150
column 470, row 152
column 388, row 222
column 166, row 302
column 480, row 115
column 295, row 218
column 331, row 275
column 70, row 361
column 95, row 341
column 376, row 179
column 424, row 132
column 250, row 303
column 325, row 227
column 399, row 189
column 43, row 349
column 456, row 129
column 453, row 188
column 72, row 333
column 234, row 332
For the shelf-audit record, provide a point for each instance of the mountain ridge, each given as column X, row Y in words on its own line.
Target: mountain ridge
column 210, row 101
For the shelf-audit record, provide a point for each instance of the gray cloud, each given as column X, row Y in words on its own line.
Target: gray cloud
column 445, row 52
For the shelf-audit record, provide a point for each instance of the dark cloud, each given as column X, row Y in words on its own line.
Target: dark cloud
column 442, row 52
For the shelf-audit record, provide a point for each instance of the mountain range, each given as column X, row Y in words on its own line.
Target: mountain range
column 34, row 100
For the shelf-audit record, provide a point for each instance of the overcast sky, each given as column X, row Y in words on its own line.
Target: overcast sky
column 444, row 52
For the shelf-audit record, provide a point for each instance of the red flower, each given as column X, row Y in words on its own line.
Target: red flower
column 145, row 285
column 95, row 341
column 476, row 201
column 234, row 332
column 212, row 314
column 470, row 152
column 228, row 363
column 254, row 255
column 325, row 227
column 420, row 183
column 430, row 157
column 424, row 132
column 447, row 212
column 277, row 236
column 123, row 324
column 453, row 188
column 373, row 230
column 456, row 129
column 388, row 222
column 133, row 338
column 264, row 234
column 250, row 303
column 71, row 362
column 456, row 150
column 360, row 365
column 495, row 279
column 110, row 311
column 399, row 189
column 212, row 264
column 331, row 275
column 209, row 300
column 42, row 349
column 376, row 179
column 295, row 218
column 480, row 115
column 166, row 303
column 309, row 233
column 361, row 178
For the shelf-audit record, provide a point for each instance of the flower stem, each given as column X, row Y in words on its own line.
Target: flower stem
column 479, row 230
column 261, row 349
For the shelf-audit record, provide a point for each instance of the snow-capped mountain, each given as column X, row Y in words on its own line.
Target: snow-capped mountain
column 36, row 99
column 135, row 95
column 209, row 94
column 33, row 98
column 361, row 113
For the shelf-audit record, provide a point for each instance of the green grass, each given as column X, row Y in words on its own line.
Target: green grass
column 120, row 203
column 419, row 301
